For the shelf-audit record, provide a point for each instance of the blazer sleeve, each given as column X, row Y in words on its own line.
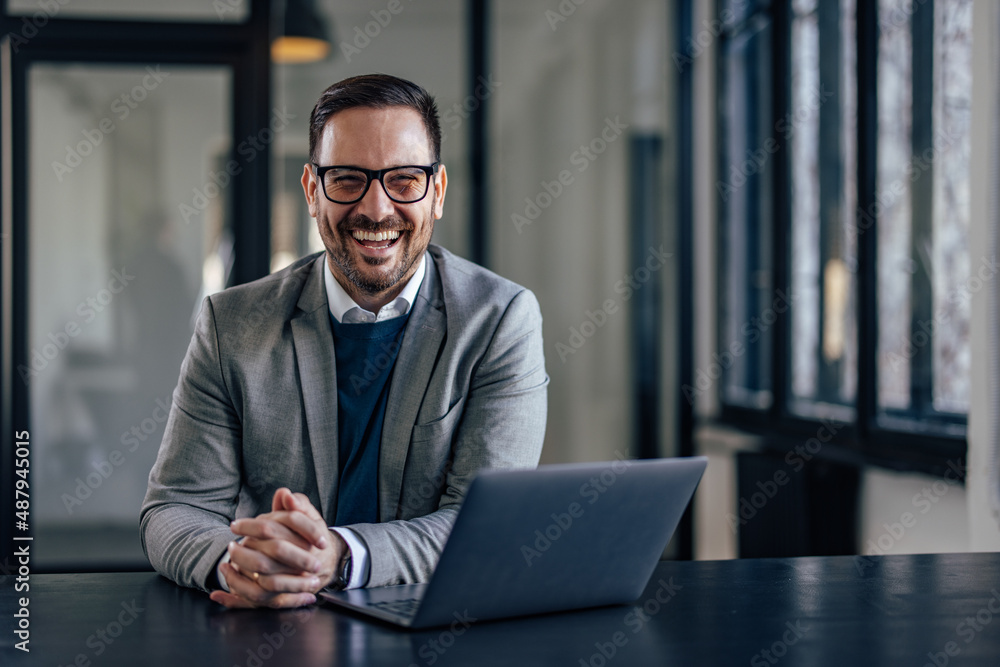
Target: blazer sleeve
column 194, row 485
column 502, row 426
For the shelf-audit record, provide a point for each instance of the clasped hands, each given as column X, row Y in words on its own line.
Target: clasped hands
column 286, row 557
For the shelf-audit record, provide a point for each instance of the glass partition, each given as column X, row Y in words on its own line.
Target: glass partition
column 127, row 229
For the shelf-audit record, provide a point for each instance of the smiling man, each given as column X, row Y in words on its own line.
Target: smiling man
column 331, row 443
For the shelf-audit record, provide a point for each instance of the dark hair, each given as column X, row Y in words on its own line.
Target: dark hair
column 375, row 91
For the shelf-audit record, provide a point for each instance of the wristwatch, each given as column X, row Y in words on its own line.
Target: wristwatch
column 344, row 576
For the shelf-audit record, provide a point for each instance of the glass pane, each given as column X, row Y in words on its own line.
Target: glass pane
column 440, row 69
column 952, row 276
column 892, row 209
column 121, row 247
column 733, row 12
column 929, row 333
column 226, row 11
column 750, row 307
column 822, row 128
column 806, row 319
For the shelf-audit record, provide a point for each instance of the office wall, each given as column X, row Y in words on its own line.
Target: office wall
column 984, row 427
column 597, row 77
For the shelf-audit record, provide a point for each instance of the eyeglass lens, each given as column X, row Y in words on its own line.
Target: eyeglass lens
column 404, row 185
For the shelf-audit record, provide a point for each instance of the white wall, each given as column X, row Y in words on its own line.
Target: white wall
column 983, row 413
column 562, row 82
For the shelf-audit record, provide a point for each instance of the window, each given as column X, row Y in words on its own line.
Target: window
column 843, row 190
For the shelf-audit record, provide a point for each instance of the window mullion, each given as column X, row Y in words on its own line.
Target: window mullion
column 921, row 236
column 866, row 225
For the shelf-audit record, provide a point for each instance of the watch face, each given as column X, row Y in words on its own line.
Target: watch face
column 345, row 573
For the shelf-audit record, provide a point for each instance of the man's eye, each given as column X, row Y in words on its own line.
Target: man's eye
column 348, row 181
column 402, row 181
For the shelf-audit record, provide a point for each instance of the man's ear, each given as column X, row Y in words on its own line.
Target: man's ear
column 309, row 185
column 440, row 185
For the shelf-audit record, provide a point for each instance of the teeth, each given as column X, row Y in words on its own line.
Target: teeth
column 375, row 236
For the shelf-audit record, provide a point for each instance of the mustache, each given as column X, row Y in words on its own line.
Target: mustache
column 366, row 224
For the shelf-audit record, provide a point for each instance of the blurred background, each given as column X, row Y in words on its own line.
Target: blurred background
column 759, row 230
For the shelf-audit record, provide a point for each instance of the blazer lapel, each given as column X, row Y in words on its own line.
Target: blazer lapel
column 313, row 340
column 417, row 355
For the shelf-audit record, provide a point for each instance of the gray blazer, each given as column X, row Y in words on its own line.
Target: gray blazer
column 256, row 409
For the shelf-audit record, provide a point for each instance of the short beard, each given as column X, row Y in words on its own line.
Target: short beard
column 369, row 286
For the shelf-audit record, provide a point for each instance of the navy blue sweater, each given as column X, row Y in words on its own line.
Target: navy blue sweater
column 366, row 354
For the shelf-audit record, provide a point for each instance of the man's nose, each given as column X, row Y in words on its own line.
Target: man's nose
column 376, row 204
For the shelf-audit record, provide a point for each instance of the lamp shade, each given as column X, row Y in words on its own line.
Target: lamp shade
column 303, row 36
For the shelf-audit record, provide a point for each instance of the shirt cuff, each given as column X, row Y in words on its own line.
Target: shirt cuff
column 218, row 569
column 360, row 562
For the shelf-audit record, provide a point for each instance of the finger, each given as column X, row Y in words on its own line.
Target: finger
column 313, row 531
column 250, row 592
column 242, row 586
column 267, row 527
column 285, row 556
column 289, row 583
column 302, row 504
column 281, row 500
column 248, row 559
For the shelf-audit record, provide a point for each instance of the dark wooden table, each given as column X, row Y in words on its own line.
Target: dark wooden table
column 894, row 610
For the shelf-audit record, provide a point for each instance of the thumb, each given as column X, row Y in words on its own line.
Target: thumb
column 300, row 502
column 283, row 500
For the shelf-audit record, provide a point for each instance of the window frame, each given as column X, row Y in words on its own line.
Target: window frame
column 243, row 47
column 868, row 436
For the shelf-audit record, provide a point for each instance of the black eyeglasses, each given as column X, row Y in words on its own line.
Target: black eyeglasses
column 404, row 185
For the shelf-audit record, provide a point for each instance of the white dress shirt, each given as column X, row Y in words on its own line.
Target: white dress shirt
column 344, row 309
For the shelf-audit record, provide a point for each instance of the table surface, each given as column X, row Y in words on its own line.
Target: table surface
column 890, row 610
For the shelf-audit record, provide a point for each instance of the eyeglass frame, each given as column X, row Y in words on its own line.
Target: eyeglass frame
column 376, row 175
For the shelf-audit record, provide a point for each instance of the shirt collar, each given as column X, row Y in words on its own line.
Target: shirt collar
column 342, row 304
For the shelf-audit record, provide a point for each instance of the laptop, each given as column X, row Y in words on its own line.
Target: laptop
column 555, row 538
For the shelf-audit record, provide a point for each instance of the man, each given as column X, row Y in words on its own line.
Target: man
column 373, row 380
